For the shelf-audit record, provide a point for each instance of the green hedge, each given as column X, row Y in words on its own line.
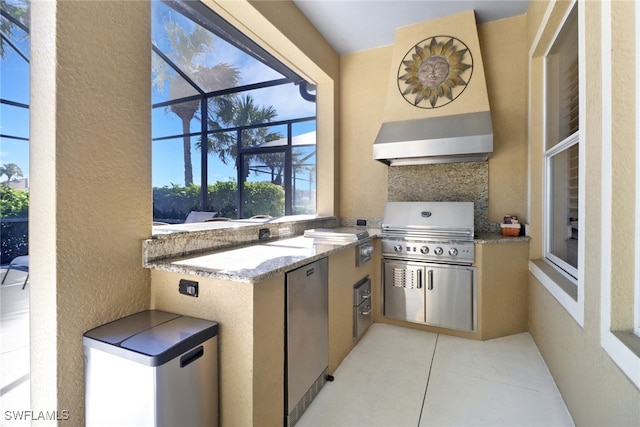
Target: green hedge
column 14, row 223
column 15, row 203
column 173, row 203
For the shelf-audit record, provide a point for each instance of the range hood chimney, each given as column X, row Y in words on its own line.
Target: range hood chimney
column 436, row 119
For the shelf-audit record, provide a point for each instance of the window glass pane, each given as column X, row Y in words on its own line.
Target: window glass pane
column 16, row 152
column 167, row 84
column 222, row 148
column 303, row 168
column 304, row 133
column 209, row 61
column 563, row 212
column 14, row 144
column 284, row 100
column 196, row 53
column 303, row 179
column 14, row 80
column 168, row 161
column 172, row 203
column 17, row 34
column 264, row 136
column 223, row 187
column 263, row 186
column 176, row 119
column 15, row 121
column 562, row 83
column 222, row 175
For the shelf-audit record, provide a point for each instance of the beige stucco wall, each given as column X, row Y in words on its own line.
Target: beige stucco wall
column 365, row 81
column 624, row 146
column 90, row 184
column 363, row 183
column 250, row 341
column 593, row 387
column 474, row 96
column 503, row 49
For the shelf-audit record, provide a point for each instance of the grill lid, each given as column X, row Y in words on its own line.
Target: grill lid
column 339, row 235
column 429, row 219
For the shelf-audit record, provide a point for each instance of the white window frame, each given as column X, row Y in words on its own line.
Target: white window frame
column 550, row 275
column 620, row 353
column 566, row 269
column 636, row 328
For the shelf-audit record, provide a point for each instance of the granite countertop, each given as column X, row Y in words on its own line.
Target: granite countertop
column 484, row 238
column 255, row 262
column 258, row 261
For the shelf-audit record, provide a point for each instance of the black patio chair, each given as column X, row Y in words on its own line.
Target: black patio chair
column 20, row 263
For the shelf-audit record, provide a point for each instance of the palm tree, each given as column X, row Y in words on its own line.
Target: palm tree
column 11, row 170
column 18, row 10
column 238, row 112
column 189, row 55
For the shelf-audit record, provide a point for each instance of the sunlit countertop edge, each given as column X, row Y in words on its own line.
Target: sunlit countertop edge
column 169, row 231
column 484, row 238
column 258, row 261
column 191, row 239
column 253, row 263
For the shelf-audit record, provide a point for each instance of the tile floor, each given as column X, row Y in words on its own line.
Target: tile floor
column 394, row 377
column 399, row 377
column 14, row 346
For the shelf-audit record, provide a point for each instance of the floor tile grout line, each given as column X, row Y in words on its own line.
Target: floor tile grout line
column 497, row 381
column 426, row 387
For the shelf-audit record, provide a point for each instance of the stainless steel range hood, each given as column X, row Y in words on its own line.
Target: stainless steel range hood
column 456, row 138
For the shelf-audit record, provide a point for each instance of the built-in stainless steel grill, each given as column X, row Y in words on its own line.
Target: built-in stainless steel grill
column 427, row 252
column 429, row 231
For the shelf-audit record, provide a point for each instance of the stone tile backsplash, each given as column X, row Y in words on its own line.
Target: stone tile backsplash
column 447, row 182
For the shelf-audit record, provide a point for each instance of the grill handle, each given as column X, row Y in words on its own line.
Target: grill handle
column 430, row 285
column 419, row 285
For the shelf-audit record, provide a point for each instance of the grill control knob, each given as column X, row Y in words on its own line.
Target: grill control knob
column 424, row 250
column 453, row 252
column 438, row 250
column 397, row 248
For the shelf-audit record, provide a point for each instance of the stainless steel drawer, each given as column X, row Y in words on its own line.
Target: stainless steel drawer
column 362, row 308
column 362, row 318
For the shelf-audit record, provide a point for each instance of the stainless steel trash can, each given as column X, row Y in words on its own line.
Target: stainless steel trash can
column 152, row 368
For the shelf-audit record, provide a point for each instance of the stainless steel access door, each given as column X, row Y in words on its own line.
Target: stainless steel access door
column 404, row 290
column 307, row 330
column 450, row 297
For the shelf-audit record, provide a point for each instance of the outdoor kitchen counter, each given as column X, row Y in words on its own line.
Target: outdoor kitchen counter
column 255, row 262
column 484, row 238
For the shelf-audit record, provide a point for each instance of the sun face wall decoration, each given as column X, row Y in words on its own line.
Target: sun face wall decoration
column 433, row 72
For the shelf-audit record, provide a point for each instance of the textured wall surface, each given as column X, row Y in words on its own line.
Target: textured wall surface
column 251, row 340
column 91, row 198
column 366, row 184
column 595, row 389
column 474, row 96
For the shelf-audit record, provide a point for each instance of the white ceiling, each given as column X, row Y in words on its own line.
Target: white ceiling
column 355, row 25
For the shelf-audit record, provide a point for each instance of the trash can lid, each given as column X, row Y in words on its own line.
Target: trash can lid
column 151, row 337
column 119, row 330
column 168, row 340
